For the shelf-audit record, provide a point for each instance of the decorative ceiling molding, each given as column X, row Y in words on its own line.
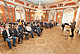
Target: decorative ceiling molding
column 46, row 7
column 26, row 9
column 47, row 2
column 1, row 3
column 64, row 7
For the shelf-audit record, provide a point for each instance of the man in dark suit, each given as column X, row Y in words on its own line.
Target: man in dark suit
column 7, row 35
column 18, row 33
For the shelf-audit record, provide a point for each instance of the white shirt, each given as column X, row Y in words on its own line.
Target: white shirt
column 8, row 33
column 28, row 28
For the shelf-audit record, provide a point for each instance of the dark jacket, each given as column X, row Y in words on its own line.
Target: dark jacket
column 16, row 32
column 73, row 25
column 34, row 28
column 5, row 35
column 41, row 23
column 50, row 24
column 23, row 29
column 63, row 25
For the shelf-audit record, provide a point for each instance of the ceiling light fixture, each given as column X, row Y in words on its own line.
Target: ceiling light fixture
column 39, row 11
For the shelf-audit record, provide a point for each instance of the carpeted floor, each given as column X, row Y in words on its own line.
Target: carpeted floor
column 50, row 42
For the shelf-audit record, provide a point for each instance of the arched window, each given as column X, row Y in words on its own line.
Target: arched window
column 68, row 15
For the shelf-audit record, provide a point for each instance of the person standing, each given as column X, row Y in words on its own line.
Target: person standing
column 63, row 25
column 72, row 26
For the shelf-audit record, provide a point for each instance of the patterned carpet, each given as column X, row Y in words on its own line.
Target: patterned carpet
column 50, row 42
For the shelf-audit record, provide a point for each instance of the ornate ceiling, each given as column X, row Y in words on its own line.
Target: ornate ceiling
column 45, row 2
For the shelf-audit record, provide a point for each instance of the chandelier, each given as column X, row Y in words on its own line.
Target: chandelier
column 39, row 11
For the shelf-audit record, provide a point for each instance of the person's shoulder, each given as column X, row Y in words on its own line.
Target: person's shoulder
column 3, row 30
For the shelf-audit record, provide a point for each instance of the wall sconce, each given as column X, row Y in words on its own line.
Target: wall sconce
column 1, row 11
column 58, row 15
column 43, row 16
column 32, row 15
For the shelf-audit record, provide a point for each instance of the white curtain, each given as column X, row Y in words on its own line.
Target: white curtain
column 67, row 17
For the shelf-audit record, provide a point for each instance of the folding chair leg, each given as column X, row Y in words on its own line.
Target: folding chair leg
column 6, row 43
column 16, row 39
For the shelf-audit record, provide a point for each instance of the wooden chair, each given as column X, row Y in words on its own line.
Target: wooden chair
column 11, row 41
column 1, row 33
column 7, row 44
column 29, row 34
column 16, row 39
column 34, row 34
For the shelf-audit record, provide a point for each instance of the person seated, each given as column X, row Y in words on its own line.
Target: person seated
column 41, row 23
column 35, row 30
column 7, row 35
column 17, row 33
column 50, row 25
column 7, row 24
column 29, row 29
column 15, row 23
column 39, row 26
column 25, row 32
column 46, row 25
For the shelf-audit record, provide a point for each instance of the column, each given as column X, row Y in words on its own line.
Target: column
column 42, row 19
column 26, row 14
column 57, row 17
column 9, row 14
column 47, row 15
column 3, row 14
column 29, row 15
column 33, row 15
column 61, row 13
column 75, row 13
column 13, row 13
column 44, row 16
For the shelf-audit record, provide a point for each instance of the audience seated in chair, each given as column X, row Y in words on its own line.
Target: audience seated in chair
column 46, row 25
column 35, row 29
column 50, row 25
column 29, row 29
column 39, row 27
column 24, row 31
column 7, row 35
column 18, row 33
